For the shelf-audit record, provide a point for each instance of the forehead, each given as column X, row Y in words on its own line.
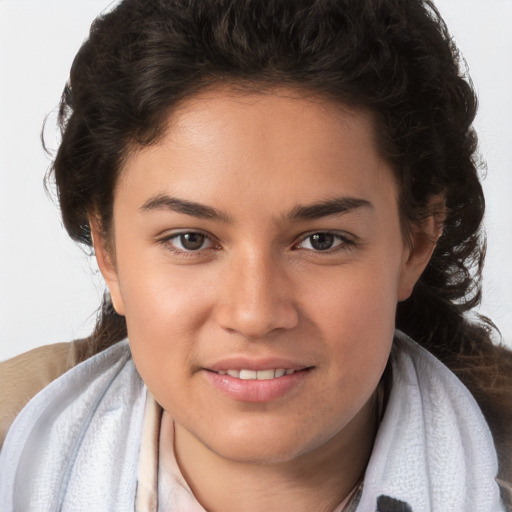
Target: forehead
column 277, row 148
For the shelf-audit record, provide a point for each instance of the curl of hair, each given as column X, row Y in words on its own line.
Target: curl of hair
column 392, row 57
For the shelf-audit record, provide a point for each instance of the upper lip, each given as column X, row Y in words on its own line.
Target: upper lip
column 255, row 364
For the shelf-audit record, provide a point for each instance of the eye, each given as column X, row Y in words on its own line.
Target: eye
column 190, row 241
column 323, row 241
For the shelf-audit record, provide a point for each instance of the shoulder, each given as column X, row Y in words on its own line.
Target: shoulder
column 487, row 373
column 23, row 376
column 418, row 376
column 73, row 423
column 433, row 449
column 61, row 387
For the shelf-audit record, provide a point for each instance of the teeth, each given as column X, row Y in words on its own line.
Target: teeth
column 248, row 374
column 256, row 375
column 265, row 374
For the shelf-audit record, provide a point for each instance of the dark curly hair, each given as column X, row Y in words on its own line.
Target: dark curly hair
column 392, row 57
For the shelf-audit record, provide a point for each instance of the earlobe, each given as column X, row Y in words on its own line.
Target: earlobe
column 106, row 263
column 424, row 237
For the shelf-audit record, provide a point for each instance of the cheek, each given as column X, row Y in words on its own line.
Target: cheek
column 355, row 311
column 168, row 296
column 164, row 308
column 358, row 298
column 163, row 315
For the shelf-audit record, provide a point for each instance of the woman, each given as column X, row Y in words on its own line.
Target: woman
column 271, row 189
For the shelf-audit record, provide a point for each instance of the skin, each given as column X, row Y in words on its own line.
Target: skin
column 259, row 288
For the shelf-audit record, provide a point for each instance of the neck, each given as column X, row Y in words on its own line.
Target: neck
column 317, row 480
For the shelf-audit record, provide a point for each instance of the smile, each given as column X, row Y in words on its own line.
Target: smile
column 257, row 385
column 257, row 374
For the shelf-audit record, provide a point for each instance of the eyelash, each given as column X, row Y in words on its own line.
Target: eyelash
column 342, row 242
column 168, row 243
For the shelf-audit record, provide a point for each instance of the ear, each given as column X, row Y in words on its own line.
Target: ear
column 106, row 262
column 423, row 240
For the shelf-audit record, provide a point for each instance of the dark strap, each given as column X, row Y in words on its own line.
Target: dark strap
column 387, row 504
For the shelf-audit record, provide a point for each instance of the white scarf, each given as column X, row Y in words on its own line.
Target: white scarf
column 75, row 447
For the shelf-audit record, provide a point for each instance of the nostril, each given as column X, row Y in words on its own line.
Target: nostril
column 255, row 323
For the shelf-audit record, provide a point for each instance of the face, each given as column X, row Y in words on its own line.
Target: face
column 258, row 262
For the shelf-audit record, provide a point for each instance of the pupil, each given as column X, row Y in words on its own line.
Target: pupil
column 192, row 241
column 322, row 241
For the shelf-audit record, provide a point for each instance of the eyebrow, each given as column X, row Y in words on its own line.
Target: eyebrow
column 173, row 204
column 334, row 206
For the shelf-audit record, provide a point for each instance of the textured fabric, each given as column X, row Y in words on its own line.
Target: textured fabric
column 76, row 446
column 23, row 376
column 434, row 451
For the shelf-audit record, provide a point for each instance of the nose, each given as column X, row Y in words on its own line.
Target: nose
column 257, row 298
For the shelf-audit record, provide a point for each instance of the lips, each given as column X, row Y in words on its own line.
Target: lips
column 247, row 363
column 257, row 380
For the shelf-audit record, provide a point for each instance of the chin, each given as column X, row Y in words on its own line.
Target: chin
column 259, row 454
column 264, row 445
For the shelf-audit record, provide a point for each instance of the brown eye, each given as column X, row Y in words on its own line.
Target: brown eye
column 321, row 241
column 189, row 241
column 192, row 241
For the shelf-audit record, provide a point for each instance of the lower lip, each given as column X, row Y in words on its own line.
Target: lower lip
column 256, row 390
